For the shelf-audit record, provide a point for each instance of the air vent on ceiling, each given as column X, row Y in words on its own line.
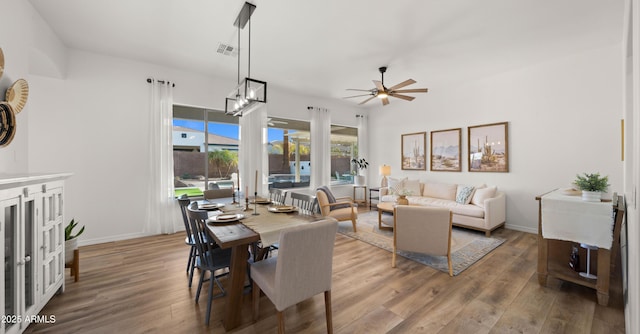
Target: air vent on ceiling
column 227, row 50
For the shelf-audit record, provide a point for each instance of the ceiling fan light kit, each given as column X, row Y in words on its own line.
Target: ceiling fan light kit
column 382, row 92
column 249, row 93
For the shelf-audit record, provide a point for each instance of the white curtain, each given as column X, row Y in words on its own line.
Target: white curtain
column 320, row 147
column 162, row 209
column 253, row 154
column 363, row 140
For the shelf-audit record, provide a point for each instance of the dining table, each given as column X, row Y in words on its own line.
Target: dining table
column 261, row 222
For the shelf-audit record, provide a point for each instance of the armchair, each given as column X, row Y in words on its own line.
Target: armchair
column 342, row 208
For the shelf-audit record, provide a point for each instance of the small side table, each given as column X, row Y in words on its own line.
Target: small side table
column 364, row 195
column 377, row 198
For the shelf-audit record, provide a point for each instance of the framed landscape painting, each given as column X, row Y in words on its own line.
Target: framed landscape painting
column 488, row 148
column 413, row 151
column 445, row 150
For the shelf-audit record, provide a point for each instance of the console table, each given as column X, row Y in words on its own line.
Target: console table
column 553, row 253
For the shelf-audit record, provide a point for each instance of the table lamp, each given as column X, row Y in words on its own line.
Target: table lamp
column 384, row 171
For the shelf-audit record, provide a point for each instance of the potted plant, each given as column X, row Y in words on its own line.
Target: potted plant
column 360, row 164
column 592, row 186
column 70, row 240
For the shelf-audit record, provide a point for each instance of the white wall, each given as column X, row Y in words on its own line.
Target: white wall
column 564, row 118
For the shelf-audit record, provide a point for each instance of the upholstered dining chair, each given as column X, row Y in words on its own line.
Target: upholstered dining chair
column 341, row 208
column 277, row 196
column 422, row 229
column 306, row 204
column 301, row 270
column 184, row 201
column 213, row 259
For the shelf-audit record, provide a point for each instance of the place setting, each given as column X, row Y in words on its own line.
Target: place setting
column 225, row 217
column 282, row 208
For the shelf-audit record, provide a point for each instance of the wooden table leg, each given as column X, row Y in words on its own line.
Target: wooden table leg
column 602, row 284
column 232, row 315
column 379, row 218
column 543, row 251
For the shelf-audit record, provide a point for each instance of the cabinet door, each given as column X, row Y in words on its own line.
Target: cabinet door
column 10, row 219
column 52, row 243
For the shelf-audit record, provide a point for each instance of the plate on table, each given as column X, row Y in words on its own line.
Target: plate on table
column 283, row 208
column 210, row 206
column 261, row 201
column 225, row 218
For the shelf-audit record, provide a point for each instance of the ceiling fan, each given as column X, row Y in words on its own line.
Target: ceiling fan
column 382, row 92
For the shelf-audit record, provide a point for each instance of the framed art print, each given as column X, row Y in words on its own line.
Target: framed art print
column 445, row 150
column 413, row 151
column 488, row 148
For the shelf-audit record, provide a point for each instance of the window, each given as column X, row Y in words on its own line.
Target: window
column 289, row 151
column 205, row 150
column 344, row 147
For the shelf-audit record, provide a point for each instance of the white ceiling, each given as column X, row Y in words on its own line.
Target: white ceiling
column 323, row 47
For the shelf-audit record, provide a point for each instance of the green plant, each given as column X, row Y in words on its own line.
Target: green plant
column 68, row 230
column 360, row 163
column 592, row 182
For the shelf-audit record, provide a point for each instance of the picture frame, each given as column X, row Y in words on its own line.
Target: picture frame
column 445, row 150
column 488, row 148
column 413, row 151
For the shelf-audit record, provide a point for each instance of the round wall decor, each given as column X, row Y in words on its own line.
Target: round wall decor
column 7, row 124
column 17, row 95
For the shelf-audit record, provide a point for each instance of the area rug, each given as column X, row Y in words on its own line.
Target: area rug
column 467, row 246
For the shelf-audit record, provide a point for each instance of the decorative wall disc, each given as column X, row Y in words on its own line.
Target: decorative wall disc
column 7, row 124
column 1, row 62
column 17, row 95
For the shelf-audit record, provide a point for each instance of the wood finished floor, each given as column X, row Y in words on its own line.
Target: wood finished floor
column 140, row 286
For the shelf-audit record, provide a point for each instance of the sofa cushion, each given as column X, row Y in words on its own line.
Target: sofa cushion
column 482, row 194
column 411, row 187
column 395, row 185
column 440, row 190
column 456, row 208
column 464, row 194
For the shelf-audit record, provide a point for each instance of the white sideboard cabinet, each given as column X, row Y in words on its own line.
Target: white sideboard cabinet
column 32, row 245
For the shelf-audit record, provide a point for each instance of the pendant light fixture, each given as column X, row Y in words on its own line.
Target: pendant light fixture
column 249, row 92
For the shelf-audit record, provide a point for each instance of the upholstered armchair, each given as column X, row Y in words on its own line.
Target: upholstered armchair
column 342, row 208
column 422, row 229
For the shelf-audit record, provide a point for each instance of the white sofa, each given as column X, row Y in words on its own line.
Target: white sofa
column 484, row 209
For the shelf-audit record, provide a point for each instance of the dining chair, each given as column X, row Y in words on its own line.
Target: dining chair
column 306, row 204
column 277, row 196
column 301, row 270
column 218, row 193
column 213, row 259
column 421, row 229
column 184, row 202
column 342, row 208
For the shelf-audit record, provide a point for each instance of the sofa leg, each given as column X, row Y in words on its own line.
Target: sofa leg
column 487, row 234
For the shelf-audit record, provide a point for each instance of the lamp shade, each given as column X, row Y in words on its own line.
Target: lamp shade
column 385, row 170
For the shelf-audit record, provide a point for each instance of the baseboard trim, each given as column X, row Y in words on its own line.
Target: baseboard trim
column 521, row 228
column 120, row 237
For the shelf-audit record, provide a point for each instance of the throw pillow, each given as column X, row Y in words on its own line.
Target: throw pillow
column 411, row 188
column 483, row 194
column 395, row 185
column 464, row 194
column 440, row 190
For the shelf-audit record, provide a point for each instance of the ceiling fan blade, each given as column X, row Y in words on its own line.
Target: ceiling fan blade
column 367, row 100
column 385, row 101
column 379, row 85
column 348, row 97
column 402, row 84
column 359, row 90
column 404, row 97
column 416, row 90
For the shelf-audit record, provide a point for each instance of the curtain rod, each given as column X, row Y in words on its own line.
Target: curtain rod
column 150, row 80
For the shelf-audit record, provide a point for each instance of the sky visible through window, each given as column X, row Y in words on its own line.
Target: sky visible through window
column 227, row 130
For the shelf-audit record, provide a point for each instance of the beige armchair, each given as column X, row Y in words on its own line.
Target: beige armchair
column 341, row 209
column 422, row 229
column 302, row 269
